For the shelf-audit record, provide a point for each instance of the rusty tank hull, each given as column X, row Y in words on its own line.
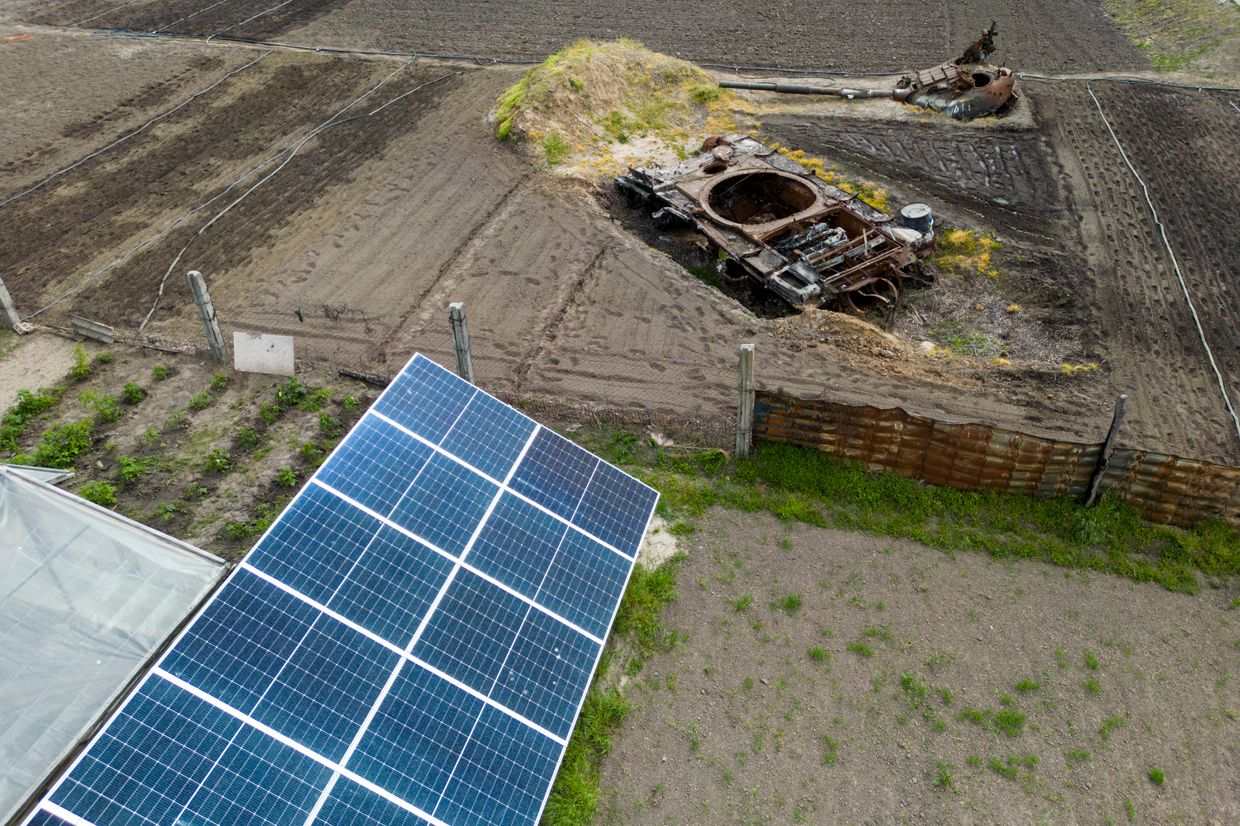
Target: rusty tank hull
column 776, row 223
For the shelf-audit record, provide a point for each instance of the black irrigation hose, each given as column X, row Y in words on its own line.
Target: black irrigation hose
column 1145, row 81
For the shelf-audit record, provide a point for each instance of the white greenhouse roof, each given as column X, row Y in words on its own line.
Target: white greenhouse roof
column 86, row 598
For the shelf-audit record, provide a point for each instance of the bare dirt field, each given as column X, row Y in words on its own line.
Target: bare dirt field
column 347, row 199
column 1082, row 247
column 787, row 33
column 827, row 677
column 343, row 247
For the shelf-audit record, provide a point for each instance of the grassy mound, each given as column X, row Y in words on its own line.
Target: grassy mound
column 614, row 101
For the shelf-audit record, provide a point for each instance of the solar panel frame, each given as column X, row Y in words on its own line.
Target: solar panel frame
column 383, row 411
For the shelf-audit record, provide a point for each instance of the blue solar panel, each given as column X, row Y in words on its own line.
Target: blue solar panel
column 555, row 473
column 409, row 643
column 352, row 805
column 43, row 818
column 416, row 736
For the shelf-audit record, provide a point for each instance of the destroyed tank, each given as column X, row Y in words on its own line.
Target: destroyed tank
column 965, row 88
column 774, row 222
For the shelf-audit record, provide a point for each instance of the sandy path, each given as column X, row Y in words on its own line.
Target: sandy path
column 31, row 361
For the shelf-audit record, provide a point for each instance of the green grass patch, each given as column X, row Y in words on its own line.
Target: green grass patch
column 28, row 406
column 1010, row 766
column 790, row 604
column 877, row 632
column 1027, row 686
column 810, row 486
column 1009, row 721
column 976, row 716
column 1156, row 776
column 830, row 750
column 1179, row 35
column 943, row 776
column 555, row 150
column 1110, row 726
column 574, row 798
column 1075, row 757
column 860, row 648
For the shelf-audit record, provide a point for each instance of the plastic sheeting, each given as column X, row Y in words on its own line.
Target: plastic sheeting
column 86, row 597
column 50, row 475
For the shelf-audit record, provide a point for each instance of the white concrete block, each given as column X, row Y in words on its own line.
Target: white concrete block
column 262, row 353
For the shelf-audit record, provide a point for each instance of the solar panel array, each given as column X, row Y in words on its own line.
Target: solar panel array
column 409, row 643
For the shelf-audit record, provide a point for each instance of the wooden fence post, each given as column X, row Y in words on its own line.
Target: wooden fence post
column 744, row 418
column 1108, row 447
column 8, row 312
column 460, row 341
column 210, row 323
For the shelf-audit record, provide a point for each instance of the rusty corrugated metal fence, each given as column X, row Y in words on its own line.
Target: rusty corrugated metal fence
column 1163, row 488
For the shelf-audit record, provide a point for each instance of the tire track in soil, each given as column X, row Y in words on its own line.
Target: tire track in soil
column 1146, row 334
column 1192, row 171
column 468, row 245
column 1003, row 177
column 551, row 331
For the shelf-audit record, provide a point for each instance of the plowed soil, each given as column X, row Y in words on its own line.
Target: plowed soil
column 1081, row 241
column 835, row 34
column 357, row 241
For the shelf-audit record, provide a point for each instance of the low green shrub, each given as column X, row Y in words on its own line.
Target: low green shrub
column 101, row 493
column 61, row 445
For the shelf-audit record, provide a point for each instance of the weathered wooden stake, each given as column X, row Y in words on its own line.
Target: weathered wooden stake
column 1108, row 447
column 460, row 340
column 210, row 323
column 744, row 418
column 8, row 311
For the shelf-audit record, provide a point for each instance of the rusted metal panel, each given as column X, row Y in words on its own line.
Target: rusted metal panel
column 970, row 456
column 781, row 226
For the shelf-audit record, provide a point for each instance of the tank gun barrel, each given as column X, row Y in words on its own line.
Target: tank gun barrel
column 804, row 89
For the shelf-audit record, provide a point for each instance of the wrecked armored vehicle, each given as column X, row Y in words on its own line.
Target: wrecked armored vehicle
column 968, row 87
column 808, row 242
column 965, row 88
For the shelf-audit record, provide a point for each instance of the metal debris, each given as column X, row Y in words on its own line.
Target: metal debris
column 965, row 88
column 775, row 222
